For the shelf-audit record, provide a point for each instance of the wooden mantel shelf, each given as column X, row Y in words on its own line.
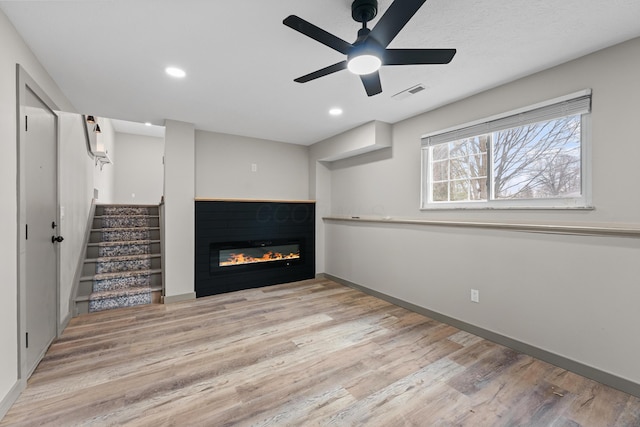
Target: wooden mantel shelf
column 581, row 230
column 205, row 199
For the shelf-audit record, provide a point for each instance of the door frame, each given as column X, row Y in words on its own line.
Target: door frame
column 25, row 83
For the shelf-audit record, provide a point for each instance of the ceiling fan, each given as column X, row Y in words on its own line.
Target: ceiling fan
column 369, row 51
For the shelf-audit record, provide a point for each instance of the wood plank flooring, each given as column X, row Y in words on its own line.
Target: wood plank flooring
column 312, row 353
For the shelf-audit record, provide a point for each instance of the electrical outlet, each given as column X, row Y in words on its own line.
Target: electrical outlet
column 475, row 295
column 254, row 167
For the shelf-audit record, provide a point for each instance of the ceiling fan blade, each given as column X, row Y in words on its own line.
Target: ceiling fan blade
column 372, row 83
column 322, row 72
column 317, row 33
column 394, row 19
column 417, row 56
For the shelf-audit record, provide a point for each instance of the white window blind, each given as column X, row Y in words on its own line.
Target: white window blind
column 578, row 105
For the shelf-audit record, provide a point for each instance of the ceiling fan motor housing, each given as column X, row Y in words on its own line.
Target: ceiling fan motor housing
column 364, row 10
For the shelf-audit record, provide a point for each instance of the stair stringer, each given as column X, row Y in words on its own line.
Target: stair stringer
column 81, row 260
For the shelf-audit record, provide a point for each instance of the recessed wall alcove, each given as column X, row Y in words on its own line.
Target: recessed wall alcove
column 248, row 244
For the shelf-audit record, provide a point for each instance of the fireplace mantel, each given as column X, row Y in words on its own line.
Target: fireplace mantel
column 206, row 199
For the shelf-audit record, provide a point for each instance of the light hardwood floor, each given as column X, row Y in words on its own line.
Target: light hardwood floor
column 302, row 354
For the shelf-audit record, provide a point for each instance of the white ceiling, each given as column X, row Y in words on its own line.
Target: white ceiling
column 109, row 56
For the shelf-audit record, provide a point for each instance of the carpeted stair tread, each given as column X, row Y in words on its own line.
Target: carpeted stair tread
column 125, row 210
column 120, row 282
column 125, row 233
column 123, row 264
column 86, row 297
column 123, row 242
column 100, row 301
column 122, row 258
column 119, row 221
column 104, row 276
column 124, row 229
column 120, row 248
column 126, row 216
column 93, row 296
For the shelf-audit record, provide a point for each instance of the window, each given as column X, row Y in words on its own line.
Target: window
column 535, row 158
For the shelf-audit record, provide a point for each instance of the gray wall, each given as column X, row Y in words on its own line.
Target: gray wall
column 104, row 178
column 223, row 168
column 76, row 183
column 77, row 173
column 574, row 296
column 138, row 169
column 179, row 211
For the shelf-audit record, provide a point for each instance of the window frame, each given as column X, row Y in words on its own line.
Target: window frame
column 580, row 202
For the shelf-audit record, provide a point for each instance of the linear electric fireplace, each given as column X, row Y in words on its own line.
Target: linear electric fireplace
column 256, row 255
column 242, row 245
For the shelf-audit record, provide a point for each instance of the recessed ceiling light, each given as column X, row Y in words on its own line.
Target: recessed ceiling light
column 335, row 111
column 147, row 123
column 175, row 72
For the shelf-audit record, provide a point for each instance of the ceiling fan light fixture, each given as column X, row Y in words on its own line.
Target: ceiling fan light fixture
column 364, row 64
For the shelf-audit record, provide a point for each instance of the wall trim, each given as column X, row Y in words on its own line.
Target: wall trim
column 170, row 299
column 11, row 397
column 602, row 377
column 576, row 230
column 24, row 83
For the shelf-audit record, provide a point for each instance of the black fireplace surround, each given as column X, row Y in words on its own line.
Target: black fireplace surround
column 248, row 244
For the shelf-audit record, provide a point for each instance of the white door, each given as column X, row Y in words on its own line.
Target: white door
column 40, row 251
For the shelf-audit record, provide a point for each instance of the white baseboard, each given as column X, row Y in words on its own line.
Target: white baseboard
column 11, row 397
column 169, row 299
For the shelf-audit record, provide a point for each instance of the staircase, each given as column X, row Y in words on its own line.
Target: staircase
column 122, row 266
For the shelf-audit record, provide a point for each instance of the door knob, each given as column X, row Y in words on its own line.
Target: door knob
column 56, row 239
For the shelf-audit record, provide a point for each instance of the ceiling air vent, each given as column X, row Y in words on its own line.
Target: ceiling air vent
column 408, row 92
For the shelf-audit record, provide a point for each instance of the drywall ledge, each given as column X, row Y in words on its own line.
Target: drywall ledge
column 580, row 230
column 605, row 378
column 369, row 137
